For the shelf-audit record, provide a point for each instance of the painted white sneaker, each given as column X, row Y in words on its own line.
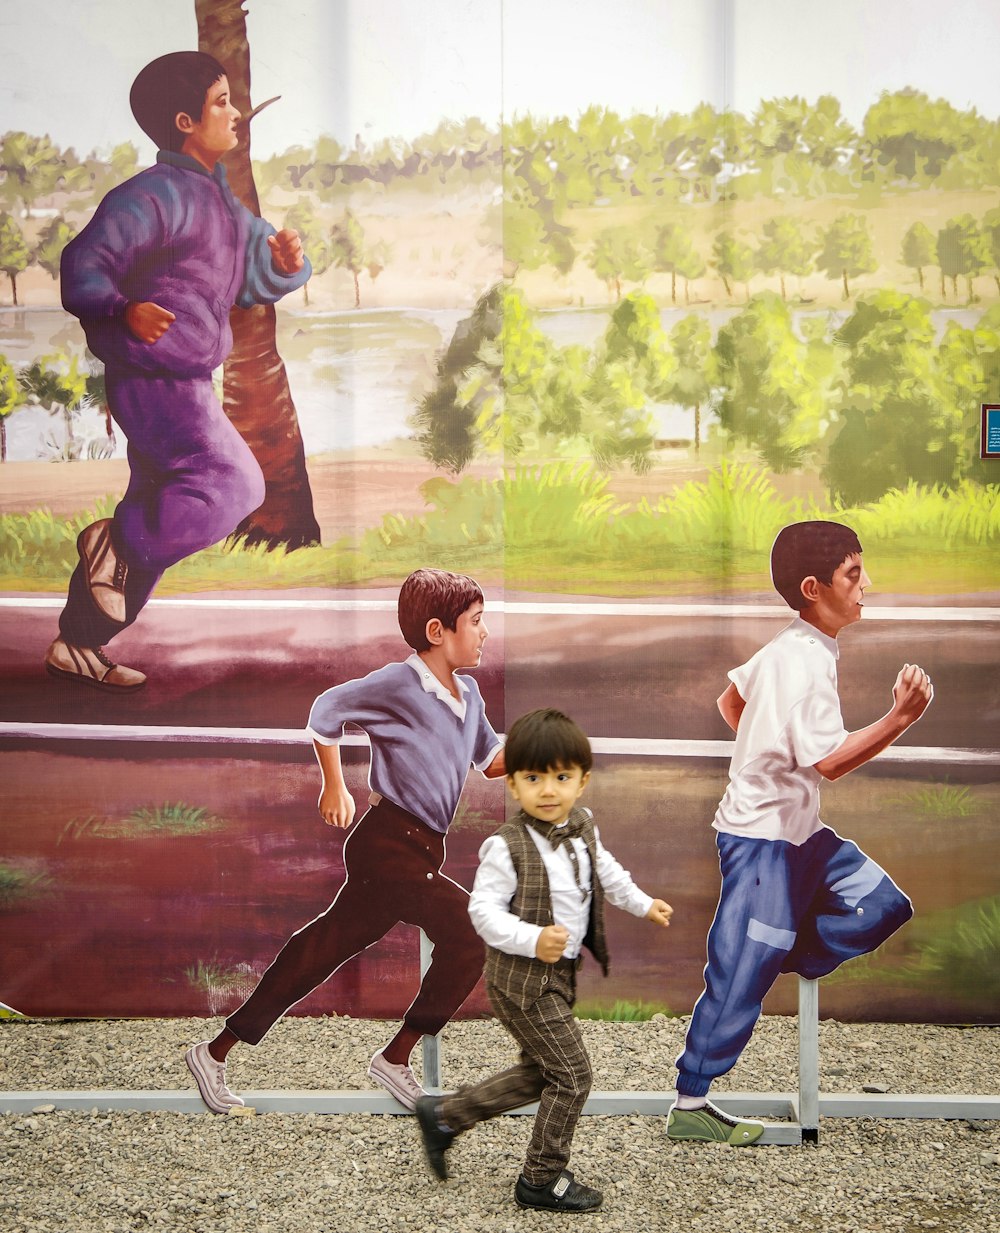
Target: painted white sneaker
column 210, row 1076
column 398, row 1080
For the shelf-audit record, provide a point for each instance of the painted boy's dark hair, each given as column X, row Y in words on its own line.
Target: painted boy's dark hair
column 545, row 739
column 430, row 593
column 178, row 81
column 806, row 549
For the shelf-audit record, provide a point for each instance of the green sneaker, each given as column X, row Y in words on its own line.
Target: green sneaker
column 710, row 1125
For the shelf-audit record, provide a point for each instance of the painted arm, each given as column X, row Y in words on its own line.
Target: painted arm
column 911, row 696
column 498, row 767
column 731, row 706
column 275, row 264
column 336, row 805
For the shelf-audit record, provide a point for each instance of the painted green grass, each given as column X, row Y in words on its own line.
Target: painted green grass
column 211, row 976
column 167, row 820
column 557, row 527
column 942, row 801
column 955, row 950
column 623, row 1011
column 19, row 883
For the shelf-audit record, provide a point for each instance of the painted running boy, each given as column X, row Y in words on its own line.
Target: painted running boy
column 426, row 726
column 152, row 278
column 795, row 896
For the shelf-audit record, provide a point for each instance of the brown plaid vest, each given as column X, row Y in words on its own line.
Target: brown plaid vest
column 525, row 980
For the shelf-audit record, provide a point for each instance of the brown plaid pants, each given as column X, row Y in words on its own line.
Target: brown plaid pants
column 554, row 1070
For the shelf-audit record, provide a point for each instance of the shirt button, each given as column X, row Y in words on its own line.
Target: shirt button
column 861, row 911
column 429, row 876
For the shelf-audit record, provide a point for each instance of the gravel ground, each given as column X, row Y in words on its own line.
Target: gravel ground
column 276, row 1173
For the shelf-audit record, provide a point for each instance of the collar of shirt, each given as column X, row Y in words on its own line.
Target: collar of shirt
column 174, row 158
column 804, row 629
column 432, row 685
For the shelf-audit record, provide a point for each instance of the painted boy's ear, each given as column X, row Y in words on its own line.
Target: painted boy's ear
column 435, row 631
column 810, row 588
column 184, row 122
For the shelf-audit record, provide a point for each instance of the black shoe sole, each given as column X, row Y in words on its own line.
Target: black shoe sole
column 61, row 674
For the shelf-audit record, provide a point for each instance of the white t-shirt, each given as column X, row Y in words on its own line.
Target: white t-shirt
column 791, row 721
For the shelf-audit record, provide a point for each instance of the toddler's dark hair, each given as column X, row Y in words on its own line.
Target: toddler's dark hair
column 176, row 82
column 544, row 740
column 807, row 549
column 430, row 593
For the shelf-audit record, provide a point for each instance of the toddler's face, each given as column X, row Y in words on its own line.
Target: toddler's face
column 548, row 795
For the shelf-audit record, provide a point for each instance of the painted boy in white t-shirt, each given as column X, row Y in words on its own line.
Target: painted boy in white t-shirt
column 795, row 896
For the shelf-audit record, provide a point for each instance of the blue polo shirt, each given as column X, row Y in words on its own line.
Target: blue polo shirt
column 423, row 740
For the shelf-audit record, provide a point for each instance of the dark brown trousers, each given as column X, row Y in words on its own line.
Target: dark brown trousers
column 393, row 864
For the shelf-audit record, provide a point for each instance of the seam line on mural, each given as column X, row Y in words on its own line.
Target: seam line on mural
column 617, row 746
column 515, row 608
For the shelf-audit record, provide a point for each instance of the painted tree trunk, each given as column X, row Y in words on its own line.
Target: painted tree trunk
column 256, row 396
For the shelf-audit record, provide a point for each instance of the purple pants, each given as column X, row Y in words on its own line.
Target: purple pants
column 193, row 481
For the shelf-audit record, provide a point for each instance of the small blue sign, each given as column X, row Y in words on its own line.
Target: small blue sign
column 990, row 441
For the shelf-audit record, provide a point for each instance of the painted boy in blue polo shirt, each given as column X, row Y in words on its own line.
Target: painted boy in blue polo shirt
column 426, row 726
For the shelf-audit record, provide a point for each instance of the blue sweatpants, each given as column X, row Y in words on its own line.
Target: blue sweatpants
column 783, row 908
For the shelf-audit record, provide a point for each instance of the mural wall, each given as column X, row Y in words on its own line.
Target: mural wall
column 593, row 313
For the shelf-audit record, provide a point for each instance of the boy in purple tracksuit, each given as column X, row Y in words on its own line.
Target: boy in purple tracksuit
column 152, row 278
column 427, row 725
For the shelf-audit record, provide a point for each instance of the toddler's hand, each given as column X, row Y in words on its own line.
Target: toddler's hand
column 551, row 943
column 286, row 251
column 660, row 913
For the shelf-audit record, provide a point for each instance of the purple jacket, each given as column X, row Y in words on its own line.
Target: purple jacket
column 174, row 235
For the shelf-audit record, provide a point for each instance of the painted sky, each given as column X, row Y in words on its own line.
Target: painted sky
column 396, row 67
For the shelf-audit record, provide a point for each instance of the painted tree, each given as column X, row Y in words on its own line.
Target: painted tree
column 913, row 136
column 897, row 422
column 52, row 239
column 962, row 250
column 11, row 397
column 15, row 255
column 918, row 249
column 630, row 369
column 617, row 256
column 57, row 383
column 33, row 167
column 303, row 219
column 733, row 259
column 349, row 250
column 846, row 250
column 672, row 252
column 991, row 230
column 696, row 373
column 783, row 250
column 256, row 395
column 770, row 395
column 968, row 361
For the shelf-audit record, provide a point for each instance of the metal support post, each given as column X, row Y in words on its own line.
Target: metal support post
column 431, row 1044
column 809, row 1059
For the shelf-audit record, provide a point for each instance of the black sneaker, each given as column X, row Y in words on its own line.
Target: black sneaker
column 436, row 1140
column 562, row 1194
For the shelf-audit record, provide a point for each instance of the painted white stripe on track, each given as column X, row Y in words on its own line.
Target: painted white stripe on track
column 618, row 746
column 517, row 608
